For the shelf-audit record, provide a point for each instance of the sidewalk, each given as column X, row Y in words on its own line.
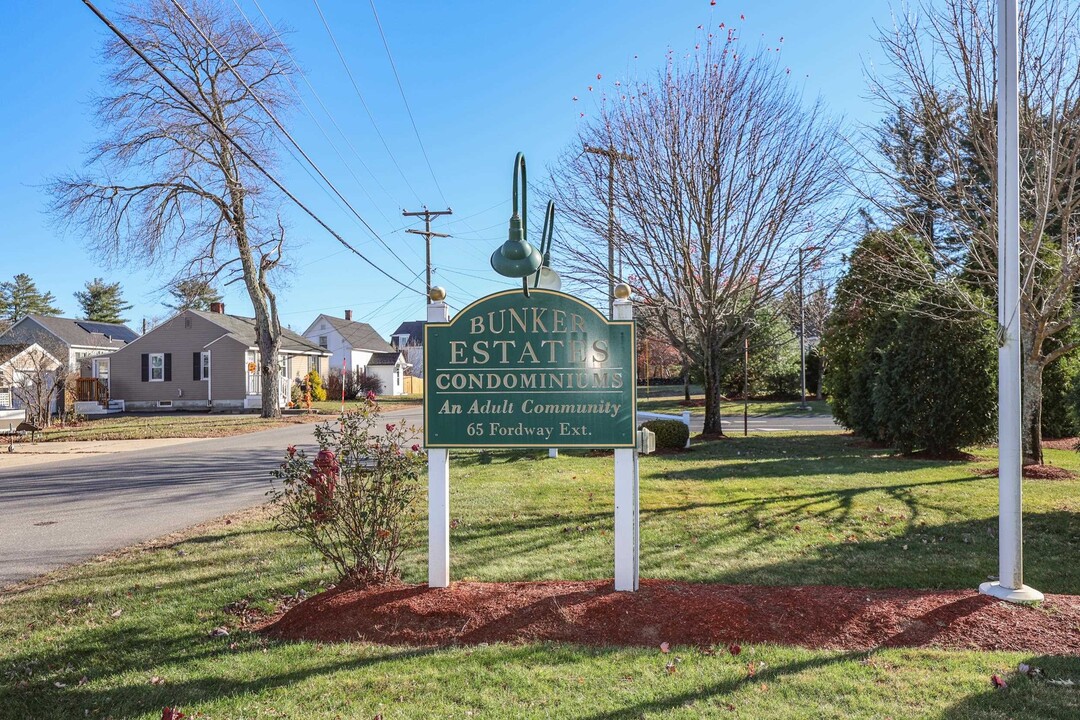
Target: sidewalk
column 27, row 453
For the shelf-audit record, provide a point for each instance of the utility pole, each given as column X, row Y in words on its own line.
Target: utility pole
column 802, row 331
column 612, row 155
column 428, row 234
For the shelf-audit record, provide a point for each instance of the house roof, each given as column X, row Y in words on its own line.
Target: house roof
column 359, row 335
column 12, row 351
column 85, row 332
column 9, row 351
column 243, row 330
column 384, row 358
column 414, row 329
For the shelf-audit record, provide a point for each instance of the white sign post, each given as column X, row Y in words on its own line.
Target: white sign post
column 438, row 493
column 626, row 496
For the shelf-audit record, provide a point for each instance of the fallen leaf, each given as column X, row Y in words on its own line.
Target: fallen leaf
column 670, row 667
column 83, row 680
column 665, row 648
column 157, row 680
column 116, row 613
column 219, row 632
column 734, row 648
column 59, row 684
column 997, row 682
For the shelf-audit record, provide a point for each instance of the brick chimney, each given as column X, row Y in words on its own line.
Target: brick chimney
column 217, row 307
column 348, row 315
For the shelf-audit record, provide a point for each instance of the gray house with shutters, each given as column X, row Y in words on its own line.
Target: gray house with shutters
column 205, row 360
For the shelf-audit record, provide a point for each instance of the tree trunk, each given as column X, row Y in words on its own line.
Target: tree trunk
column 271, row 376
column 1031, row 405
column 713, row 385
column 819, row 394
column 686, row 381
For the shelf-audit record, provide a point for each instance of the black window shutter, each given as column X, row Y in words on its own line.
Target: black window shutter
column 168, row 367
column 196, row 366
column 145, row 367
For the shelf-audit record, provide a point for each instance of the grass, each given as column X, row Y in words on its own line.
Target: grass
column 668, row 399
column 725, row 512
column 163, row 425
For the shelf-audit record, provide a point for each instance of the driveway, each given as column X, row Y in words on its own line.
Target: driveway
column 61, row 512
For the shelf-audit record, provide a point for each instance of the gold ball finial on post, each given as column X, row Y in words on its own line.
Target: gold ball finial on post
column 622, row 291
column 437, row 294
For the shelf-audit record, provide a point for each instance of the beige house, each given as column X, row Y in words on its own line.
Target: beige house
column 199, row 360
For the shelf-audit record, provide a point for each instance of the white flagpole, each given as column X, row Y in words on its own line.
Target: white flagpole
column 1010, row 584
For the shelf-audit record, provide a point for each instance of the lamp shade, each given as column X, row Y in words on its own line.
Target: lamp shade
column 549, row 279
column 516, row 258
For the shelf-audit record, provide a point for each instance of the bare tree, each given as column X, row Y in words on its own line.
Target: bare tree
column 733, row 172
column 165, row 184
column 38, row 384
column 935, row 175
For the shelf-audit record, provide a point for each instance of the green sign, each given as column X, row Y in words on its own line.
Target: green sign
column 546, row 370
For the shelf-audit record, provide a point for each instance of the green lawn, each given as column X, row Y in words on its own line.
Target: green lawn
column 669, row 399
column 725, row 512
column 163, row 425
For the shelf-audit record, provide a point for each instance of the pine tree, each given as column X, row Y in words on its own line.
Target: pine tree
column 192, row 294
column 102, row 302
column 20, row 297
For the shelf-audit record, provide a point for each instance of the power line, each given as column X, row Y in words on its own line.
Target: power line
column 319, row 100
column 239, row 148
column 307, row 108
column 288, row 135
column 363, row 102
column 401, row 89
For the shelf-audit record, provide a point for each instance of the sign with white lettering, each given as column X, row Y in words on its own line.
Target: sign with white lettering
column 546, row 370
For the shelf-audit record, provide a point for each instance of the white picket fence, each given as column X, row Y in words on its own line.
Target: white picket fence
column 684, row 419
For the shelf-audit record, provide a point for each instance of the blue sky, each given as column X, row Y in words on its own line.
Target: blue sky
column 484, row 80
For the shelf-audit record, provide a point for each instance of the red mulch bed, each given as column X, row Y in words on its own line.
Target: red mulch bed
column 592, row 613
column 1036, row 472
column 1070, row 443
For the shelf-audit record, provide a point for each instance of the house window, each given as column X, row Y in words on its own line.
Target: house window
column 205, row 364
column 312, row 363
column 157, row 367
column 322, row 342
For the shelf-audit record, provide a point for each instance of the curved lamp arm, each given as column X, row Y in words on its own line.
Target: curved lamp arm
column 521, row 211
column 546, row 239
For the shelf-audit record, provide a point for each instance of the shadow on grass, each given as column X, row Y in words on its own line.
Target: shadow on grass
column 957, row 555
column 1026, row 697
column 114, row 655
column 679, row 700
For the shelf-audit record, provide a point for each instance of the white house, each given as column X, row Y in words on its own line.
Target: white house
column 360, row 348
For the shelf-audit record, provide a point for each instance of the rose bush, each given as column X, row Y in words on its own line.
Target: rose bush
column 355, row 501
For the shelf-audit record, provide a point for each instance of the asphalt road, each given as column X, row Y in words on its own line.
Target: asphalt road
column 733, row 424
column 62, row 512
column 66, row 511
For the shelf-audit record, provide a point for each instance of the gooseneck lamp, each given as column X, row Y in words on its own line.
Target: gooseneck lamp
column 547, row 278
column 516, row 258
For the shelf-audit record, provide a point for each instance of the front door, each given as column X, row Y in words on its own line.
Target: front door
column 101, row 372
column 283, row 385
